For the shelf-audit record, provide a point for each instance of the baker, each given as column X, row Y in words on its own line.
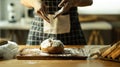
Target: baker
column 57, row 19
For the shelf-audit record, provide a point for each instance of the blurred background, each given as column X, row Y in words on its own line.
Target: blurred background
column 100, row 22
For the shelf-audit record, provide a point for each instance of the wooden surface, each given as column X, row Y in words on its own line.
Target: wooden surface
column 58, row 63
column 70, row 53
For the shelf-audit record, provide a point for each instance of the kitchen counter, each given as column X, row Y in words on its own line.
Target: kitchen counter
column 16, row 31
column 26, row 26
column 14, row 26
column 58, row 63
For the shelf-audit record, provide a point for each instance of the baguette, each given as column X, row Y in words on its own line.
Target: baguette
column 109, row 50
column 113, row 52
column 116, row 54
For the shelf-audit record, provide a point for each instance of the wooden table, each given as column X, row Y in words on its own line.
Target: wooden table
column 58, row 63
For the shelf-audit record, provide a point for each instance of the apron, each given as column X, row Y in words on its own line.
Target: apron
column 65, row 27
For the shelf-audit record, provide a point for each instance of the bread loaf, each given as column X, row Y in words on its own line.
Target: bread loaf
column 52, row 46
column 116, row 54
column 110, row 50
column 112, row 53
column 3, row 41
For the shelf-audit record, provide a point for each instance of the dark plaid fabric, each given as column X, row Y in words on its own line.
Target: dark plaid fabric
column 75, row 37
column 52, row 6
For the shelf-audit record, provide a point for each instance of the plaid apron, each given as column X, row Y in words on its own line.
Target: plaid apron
column 74, row 37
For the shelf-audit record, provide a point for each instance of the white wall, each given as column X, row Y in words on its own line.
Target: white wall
column 101, row 7
column 18, row 7
column 0, row 9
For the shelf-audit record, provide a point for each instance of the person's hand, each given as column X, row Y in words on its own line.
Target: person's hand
column 40, row 9
column 66, row 5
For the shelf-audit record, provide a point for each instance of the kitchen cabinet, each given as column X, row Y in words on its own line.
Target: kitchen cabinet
column 115, row 32
column 14, row 31
column 98, row 32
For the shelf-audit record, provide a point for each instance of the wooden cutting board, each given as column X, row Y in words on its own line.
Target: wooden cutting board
column 69, row 54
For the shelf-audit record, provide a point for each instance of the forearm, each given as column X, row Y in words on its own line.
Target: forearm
column 83, row 2
column 29, row 3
